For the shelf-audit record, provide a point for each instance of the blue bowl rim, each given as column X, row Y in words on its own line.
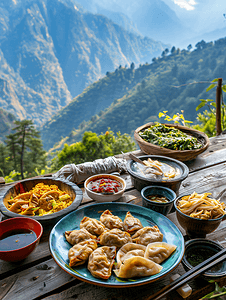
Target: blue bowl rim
column 191, row 218
column 180, row 178
column 162, row 188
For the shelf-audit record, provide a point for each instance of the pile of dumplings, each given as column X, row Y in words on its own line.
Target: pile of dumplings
column 138, row 250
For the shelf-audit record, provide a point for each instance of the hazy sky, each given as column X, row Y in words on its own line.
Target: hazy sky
column 186, row 4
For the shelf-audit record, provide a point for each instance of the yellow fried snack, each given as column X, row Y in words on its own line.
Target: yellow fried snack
column 42, row 199
column 201, row 206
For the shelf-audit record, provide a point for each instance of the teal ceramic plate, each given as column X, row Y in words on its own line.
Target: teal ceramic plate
column 59, row 246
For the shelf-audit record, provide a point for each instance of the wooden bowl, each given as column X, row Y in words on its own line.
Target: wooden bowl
column 26, row 185
column 182, row 155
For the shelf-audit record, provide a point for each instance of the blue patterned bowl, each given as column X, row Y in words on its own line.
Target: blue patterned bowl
column 163, row 207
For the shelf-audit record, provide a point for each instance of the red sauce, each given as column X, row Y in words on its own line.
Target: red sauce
column 105, row 186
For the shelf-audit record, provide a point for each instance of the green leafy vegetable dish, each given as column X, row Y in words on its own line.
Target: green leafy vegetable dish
column 169, row 137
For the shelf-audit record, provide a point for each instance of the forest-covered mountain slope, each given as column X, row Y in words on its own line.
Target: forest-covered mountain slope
column 175, row 81
column 6, row 124
column 51, row 50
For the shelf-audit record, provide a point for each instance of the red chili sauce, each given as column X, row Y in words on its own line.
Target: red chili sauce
column 105, row 186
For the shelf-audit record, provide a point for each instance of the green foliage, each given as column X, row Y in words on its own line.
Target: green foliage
column 12, row 175
column 207, row 122
column 93, row 147
column 217, row 293
column 207, row 119
column 22, row 155
column 177, row 118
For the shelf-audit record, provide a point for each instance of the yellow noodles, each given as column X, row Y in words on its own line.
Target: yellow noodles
column 201, row 206
column 40, row 200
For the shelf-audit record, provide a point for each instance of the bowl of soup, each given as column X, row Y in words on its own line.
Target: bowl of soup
column 105, row 187
column 158, row 170
column 18, row 238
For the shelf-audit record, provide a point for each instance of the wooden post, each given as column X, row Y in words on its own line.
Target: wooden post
column 218, row 106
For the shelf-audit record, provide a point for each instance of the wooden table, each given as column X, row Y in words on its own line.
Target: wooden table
column 39, row 277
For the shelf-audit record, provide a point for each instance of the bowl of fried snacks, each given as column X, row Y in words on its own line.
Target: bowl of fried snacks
column 199, row 214
column 44, row 199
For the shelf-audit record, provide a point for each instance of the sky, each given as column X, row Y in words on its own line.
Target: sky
column 187, row 5
column 200, row 15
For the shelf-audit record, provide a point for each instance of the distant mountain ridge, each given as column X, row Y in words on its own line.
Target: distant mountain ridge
column 51, row 50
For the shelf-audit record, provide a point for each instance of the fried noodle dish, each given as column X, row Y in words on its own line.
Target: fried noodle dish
column 40, row 200
column 201, row 206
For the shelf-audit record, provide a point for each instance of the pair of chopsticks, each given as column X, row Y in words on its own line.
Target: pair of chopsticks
column 191, row 274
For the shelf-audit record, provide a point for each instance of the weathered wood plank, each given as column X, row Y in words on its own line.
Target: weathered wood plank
column 212, row 179
column 35, row 282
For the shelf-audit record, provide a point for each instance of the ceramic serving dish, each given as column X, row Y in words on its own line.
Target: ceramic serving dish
column 199, row 249
column 99, row 197
column 26, row 185
column 11, row 228
column 139, row 180
column 59, row 246
column 161, row 191
column 196, row 228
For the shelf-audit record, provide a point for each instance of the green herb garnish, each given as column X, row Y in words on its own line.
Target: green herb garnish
column 169, row 137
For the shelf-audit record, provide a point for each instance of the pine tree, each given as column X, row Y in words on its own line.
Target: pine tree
column 25, row 148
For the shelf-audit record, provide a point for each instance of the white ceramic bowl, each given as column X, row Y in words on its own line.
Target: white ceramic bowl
column 105, row 197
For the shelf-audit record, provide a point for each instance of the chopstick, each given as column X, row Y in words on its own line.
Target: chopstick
column 194, row 272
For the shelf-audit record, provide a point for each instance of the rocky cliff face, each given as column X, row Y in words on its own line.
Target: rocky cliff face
column 50, row 50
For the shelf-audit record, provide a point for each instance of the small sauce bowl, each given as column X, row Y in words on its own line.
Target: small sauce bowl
column 200, row 249
column 13, row 226
column 162, row 191
column 99, row 197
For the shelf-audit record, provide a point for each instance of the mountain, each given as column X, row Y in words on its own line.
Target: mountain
column 173, row 82
column 112, row 11
column 51, row 50
column 154, row 19
column 93, row 101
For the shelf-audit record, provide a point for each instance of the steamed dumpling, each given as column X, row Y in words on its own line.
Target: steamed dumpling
column 92, row 225
column 131, row 224
column 79, row 235
column 137, row 266
column 129, row 250
column 147, row 235
column 101, row 262
column 80, row 253
column 159, row 251
column 115, row 237
column 111, row 221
